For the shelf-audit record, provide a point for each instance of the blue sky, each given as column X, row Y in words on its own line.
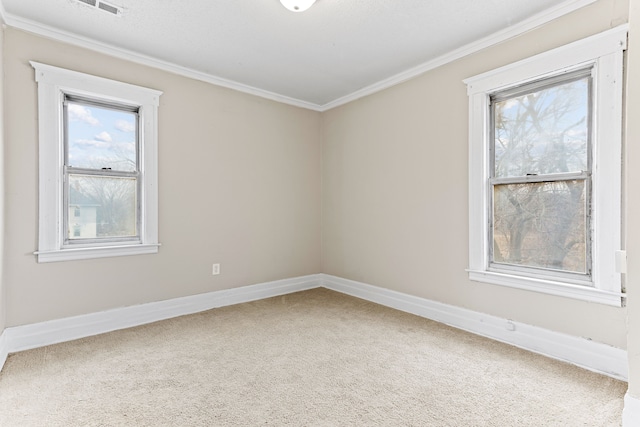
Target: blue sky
column 101, row 137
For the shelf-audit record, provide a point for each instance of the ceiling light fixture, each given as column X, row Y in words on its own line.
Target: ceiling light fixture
column 297, row 5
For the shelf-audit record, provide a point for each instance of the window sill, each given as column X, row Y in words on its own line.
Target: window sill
column 95, row 252
column 549, row 287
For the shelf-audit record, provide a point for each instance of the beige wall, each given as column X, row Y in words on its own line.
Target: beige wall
column 633, row 200
column 239, row 185
column 395, row 199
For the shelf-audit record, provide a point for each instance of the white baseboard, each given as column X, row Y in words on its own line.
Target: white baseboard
column 35, row 335
column 587, row 354
column 631, row 412
column 4, row 349
column 578, row 351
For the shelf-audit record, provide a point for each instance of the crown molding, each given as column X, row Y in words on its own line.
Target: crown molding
column 3, row 13
column 535, row 21
column 84, row 42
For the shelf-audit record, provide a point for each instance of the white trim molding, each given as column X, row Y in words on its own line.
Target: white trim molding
column 563, row 8
column 587, row 354
column 535, row 21
column 4, row 348
column 54, row 84
column 631, row 411
column 584, row 353
column 117, row 52
column 36, row 335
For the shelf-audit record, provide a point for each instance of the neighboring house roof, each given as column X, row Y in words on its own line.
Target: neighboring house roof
column 78, row 198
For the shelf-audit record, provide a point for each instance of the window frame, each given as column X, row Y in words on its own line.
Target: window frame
column 584, row 176
column 604, row 54
column 69, row 170
column 54, row 84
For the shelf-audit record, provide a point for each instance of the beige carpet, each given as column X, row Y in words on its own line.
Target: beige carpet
column 315, row 358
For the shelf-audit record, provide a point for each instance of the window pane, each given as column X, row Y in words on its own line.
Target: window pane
column 541, row 225
column 107, row 207
column 544, row 131
column 100, row 137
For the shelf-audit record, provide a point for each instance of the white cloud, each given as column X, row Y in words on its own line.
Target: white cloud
column 103, row 136
column 125, row 147
column 82, row 143
column 125, row 126
column 81, row 114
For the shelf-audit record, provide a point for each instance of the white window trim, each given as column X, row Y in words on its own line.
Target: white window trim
column 53, row 83
column 604, row 52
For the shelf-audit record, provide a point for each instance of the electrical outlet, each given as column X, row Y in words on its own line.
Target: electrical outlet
column 511, row 326
column 216, row 269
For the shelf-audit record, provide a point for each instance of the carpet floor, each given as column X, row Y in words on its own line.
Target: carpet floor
column 313, row 358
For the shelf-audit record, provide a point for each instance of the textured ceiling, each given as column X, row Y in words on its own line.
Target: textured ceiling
column 315, row 58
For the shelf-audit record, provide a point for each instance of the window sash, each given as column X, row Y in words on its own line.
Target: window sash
column 539, row 271
column 68, row 240
column 105, row 105
column 547, row 82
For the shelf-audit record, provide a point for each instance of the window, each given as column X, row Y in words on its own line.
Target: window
column 98, row 166
column 101, row 167
column 540, row 177
column 545, row 171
